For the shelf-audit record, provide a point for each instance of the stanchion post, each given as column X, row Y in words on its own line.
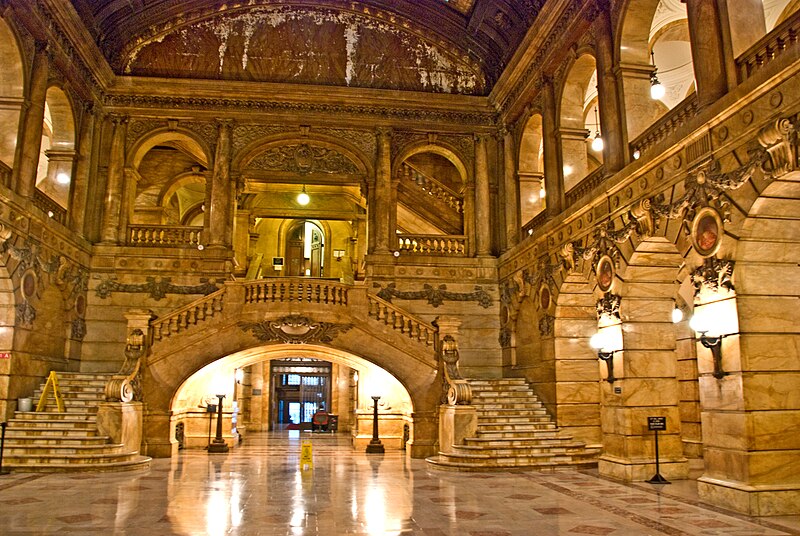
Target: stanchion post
column 655, row 424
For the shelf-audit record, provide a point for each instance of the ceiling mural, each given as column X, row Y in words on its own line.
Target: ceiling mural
column 308, row 46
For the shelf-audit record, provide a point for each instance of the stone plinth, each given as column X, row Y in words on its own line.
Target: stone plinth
column 455, row 424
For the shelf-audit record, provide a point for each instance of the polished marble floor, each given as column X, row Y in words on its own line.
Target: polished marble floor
column 260, row 489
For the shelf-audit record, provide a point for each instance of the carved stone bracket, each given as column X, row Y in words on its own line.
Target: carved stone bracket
column 157, row 288
column 435, row 296
column 459, row 391
column 294, row 329
column 604, row 241
column 714, row 274
column 77, row 329
column 26, row 314
column 609, row 305
column 778, row 139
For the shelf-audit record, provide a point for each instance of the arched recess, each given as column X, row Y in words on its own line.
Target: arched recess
column 431, row 196
column 572, row 131
column 645, row 365
column 757, row 401
column 362, row 379
column 57, row 154
column 660, row 27
column 777, row 11
column 174, row 360
column 12, row 82
column 168, row 167
column 531, row 169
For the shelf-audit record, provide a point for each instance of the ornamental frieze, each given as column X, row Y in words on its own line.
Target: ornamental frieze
column 361, row 139
column 294, row 329
column 303, row 158
column 156, row 288
column 244, row 135
column 435, row 296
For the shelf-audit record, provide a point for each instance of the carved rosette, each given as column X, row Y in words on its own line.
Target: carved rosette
column 294, row 329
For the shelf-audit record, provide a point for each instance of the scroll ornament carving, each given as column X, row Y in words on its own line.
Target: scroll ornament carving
column 26, row 314
column 608, row 305
column 714, row 274
column 244, row 135
column 779, row 140
column 294, row 329
column 435, row 296
column 457, row 389
column 603, row 242
column 126, row 385
column 157, row 288
column 303, row 158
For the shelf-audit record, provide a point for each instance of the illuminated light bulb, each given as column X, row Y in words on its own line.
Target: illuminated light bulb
column 677, row 315
column 302, row 197
column 657, row 90
column 637, row 154
column 597, row 341
column 62, row 178
column 597, row 143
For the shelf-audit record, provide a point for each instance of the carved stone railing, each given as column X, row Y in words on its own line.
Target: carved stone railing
column 400, row 321
column 535, row 222
column 450, row 245
column 285, row 289
column 665, row 125
column 587, row 184
column 776, row 43
column 459, row 391
column 164, row 235
column 49, row 206
column 189, row 315
column 5, row 175
column 410, row 174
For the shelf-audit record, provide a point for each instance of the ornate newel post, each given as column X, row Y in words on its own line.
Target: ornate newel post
column 457, row 418
column 120, row 416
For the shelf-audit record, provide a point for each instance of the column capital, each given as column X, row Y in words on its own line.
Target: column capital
column 118, row 119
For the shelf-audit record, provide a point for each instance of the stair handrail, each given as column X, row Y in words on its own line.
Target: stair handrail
column 459, row 391
column 191, row 313
column 405, row 323
column 124, row 386
column 436, row 187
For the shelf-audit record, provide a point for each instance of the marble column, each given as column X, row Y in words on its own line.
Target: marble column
column 611, row 125
column 553, row 167
column 220, row 207
column 511, row 190
column 708, row 51
column 109, row 233
column 383, row 192
column 80, row 178
column 32, row 124
column 483, row 228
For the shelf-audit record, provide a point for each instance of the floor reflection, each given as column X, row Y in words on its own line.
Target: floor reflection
column 261, row 489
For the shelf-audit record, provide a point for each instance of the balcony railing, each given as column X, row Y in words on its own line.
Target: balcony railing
column 589, row 183
column 164, row 235
column 665, row 126
column 774, row 44
column 535, row 222
column 49, row 206
column 450, row 245
column 296, row 290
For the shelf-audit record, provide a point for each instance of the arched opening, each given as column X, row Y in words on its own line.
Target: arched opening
column 305, row 250
column 57, row 153
column 531, row 170
column 578, row 97
column 11, row 92
column 282, row 389
column 777, row 11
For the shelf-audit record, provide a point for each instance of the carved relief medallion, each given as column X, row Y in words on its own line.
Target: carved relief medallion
column 706, row 231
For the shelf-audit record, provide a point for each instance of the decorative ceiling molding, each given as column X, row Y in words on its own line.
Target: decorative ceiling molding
column 294, row 329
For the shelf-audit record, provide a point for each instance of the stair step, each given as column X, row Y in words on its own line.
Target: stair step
column 27, row 416
column 61, row 440
column 61, row 450
column 134, row 464
column 542, row 466
column 565, row 448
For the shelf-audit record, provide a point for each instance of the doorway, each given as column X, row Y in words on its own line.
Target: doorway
column 301, row 387
column 305, row 250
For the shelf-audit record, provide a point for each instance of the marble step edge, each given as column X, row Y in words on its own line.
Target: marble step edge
column 445, row 465
column 34, row 416
column 140, row 463
column 569, row 449
column 59, row 449
column 24, row 440
column 71, row 458
column 50, row 432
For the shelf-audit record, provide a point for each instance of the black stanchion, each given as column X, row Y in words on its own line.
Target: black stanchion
column 2, row 446
column 655, row 424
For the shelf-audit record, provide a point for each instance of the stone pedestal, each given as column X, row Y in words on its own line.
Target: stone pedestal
column 122, row 422
column 455, row 424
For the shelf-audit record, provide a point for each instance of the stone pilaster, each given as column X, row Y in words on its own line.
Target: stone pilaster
column 553, row 167
column 80, row 180
column 483, row 236
column 614, row 153
column 383, row 192
column 708, row 52
column 511, row 190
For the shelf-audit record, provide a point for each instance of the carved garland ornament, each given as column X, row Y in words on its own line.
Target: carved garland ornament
column 714, row 274
column 435, row 296
column 157, row 288
column 294, row 329
column 608, row 305
column 302, row 159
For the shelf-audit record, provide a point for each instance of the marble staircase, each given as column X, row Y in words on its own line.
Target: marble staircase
column 514, row 432
column 51, row 441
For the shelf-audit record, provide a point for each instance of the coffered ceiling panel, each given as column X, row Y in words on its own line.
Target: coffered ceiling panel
column 443, row 46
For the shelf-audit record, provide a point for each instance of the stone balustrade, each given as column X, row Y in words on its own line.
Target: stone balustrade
column 189, row 315
column 49, row 206
column 411, row 175
column 164, row 235
column 782, row 38
column 287, row 289
column 586, row 185
column 535, row 222
column 665, row 126
column 451, row 245
column 401, row 321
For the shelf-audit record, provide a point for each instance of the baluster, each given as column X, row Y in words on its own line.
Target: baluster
column 157, row 331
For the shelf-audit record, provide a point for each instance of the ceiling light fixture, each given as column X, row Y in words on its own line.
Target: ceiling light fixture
column 302, row 197
column 597, row 142
column 657, row 90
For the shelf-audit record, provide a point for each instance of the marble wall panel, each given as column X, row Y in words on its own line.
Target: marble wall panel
column 768, row 314
column 723, row 394
column 771, row 227
column 654, row 290
column 773, row 430
column 578, row 328
column 646, row 310
column 578, row 392
column 760, row 250
column 623, row 420
column 777, row 391
column 725, row 430
column 648, row 336
column 577, row 371
column 649, row 392
column 768, row 279
column 649, row 364
column 770, row 352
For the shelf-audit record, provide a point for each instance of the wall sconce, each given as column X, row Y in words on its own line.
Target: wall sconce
column 601, row 341
column 338, row 254
column 702, row 324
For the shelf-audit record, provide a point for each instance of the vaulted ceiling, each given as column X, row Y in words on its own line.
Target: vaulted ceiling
column 443, row 46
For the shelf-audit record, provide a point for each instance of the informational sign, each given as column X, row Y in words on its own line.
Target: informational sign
column 656, row 423
column 277, row 263
column 5, row 355
column 306, row 456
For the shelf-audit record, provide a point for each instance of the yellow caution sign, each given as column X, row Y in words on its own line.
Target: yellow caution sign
column 51, row 385
column 306, row 456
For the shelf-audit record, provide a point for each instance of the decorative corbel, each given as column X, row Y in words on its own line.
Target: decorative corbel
column 641, row 213
column 777, row 140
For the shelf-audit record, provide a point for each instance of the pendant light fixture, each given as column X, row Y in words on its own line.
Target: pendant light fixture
column 657, row 90
column 597, row 142
column 302, row 197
